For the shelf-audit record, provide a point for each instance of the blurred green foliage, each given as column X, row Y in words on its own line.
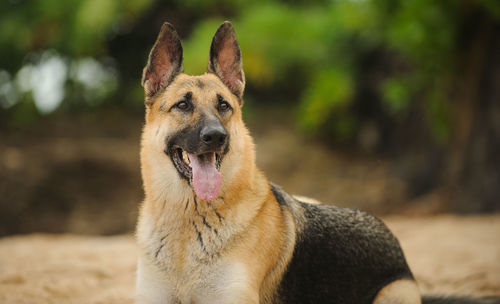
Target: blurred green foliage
column 74, row 28
column 311, row 54
column 324, row 45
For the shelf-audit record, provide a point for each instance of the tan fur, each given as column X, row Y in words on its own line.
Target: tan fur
column 306, row 199
column 399, row 292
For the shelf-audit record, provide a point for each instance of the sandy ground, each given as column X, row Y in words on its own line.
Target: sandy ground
column 448, row 254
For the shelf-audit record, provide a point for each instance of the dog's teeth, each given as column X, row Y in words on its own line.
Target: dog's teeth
column 185, row 157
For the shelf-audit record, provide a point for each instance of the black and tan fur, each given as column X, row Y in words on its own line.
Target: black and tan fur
column 253, row 243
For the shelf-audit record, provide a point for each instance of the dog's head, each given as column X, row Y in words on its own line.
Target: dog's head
column 194, row 121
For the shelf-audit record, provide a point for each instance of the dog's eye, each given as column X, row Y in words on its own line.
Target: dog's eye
column 223, row 106
column 183, row 105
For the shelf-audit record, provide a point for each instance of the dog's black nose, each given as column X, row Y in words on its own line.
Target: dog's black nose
column 214, row 136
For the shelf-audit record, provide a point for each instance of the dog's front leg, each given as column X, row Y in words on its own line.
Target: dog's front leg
column 151, row 286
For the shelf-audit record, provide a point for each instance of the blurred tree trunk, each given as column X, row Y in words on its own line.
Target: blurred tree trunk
column 472, row 175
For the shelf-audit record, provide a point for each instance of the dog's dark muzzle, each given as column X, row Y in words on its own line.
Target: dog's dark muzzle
column 208, row 137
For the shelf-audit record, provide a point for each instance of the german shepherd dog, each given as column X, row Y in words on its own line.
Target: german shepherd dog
column 213, row 229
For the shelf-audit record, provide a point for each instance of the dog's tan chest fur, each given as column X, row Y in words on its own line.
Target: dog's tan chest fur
column 201, row 248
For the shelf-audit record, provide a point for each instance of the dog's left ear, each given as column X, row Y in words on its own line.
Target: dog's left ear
column 225, row 59
column 164, row 62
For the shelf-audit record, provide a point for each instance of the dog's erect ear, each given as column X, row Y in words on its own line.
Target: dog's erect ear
column 164, row 62
column 225, row 59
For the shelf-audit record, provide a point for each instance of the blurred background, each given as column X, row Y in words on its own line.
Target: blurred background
column 391, row 106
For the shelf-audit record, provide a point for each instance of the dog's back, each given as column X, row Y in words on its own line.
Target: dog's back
column 334, row 248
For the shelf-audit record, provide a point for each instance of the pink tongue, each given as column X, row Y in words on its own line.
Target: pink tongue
column 206, row 178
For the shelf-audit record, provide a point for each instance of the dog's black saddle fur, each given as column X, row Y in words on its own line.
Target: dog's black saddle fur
column 341, row 255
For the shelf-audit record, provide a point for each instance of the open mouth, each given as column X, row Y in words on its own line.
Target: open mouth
column 201, row 170
column 182, row 162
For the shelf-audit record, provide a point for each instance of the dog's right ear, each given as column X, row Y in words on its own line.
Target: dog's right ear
column 164, row 62
column 225, row 59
